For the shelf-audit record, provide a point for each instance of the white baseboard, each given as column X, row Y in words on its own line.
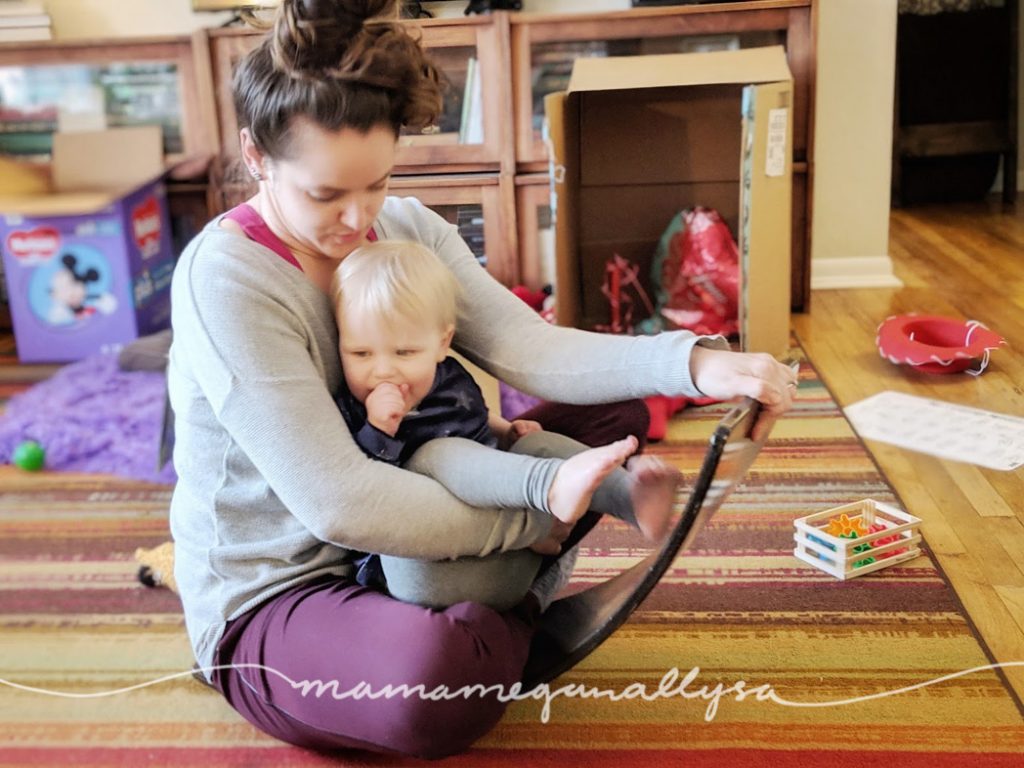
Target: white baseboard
column 853, row 272
column 997, row 185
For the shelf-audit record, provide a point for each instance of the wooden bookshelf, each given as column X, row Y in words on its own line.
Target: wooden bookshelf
column 505, row 172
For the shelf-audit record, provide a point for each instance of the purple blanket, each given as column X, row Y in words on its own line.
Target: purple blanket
column 92, row 417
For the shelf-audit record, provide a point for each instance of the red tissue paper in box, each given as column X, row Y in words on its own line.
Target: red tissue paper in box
column 696, row 274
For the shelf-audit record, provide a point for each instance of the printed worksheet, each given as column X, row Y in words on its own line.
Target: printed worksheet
column 986, row 438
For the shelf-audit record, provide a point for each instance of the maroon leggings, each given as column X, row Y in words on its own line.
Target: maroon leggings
column 332, row 629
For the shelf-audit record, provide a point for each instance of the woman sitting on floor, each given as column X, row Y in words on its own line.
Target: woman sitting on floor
column 275, row 501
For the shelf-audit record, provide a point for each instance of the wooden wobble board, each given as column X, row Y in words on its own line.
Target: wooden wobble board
column 573, row 627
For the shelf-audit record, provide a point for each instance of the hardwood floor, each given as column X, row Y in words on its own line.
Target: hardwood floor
column 964, row 260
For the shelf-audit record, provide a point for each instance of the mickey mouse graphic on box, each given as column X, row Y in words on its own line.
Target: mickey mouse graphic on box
column 64, row 293
column 88, row 281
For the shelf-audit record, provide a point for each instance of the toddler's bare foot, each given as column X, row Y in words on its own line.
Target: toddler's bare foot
column 653, row 493
column 578, row 477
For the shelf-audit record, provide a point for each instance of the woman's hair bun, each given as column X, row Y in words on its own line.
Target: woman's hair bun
column 309, row 35
column 339, row 63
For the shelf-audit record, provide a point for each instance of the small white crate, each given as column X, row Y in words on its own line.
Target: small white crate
column 896, row 543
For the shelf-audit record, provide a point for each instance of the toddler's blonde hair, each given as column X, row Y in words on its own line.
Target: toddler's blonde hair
column 396, row 278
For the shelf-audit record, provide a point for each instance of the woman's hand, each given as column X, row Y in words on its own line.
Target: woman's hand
column 724, row 375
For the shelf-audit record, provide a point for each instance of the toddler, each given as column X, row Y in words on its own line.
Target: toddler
column 409, row 403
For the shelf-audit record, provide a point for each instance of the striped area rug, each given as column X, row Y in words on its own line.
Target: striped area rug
column 737, row 610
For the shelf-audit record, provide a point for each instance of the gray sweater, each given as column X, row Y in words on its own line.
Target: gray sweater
column 272, row 490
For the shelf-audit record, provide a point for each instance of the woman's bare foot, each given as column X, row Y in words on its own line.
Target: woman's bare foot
column 653, row 494
column 578, row 477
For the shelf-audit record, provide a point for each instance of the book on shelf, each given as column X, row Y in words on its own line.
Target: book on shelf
column 470, row 221
column 25, row 34
column 471, row 127
column 31, row 20
column 466, row 95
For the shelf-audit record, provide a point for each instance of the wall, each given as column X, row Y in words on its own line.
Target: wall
column 853, row 143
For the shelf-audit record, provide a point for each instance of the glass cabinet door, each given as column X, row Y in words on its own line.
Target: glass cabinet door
column 476, row 204
column 143, row 93
column 480, row 206
column 536, row 224
column 461, row 120
column 468, row 134
column 89, row 84
column 543, row 53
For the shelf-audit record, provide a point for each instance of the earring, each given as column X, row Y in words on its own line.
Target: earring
column 256, row 174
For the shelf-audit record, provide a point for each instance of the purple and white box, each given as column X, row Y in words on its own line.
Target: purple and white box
column 89, row 282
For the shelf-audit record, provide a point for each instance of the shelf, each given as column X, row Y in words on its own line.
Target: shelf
column 476, row 142
column 141, row 81
column 480, row 205
column 497, row 170
column 544, row 45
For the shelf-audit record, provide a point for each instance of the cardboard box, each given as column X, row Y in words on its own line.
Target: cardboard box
column 637, row 139
column 87, row 254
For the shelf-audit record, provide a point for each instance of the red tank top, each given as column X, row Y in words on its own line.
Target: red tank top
column 256, row 229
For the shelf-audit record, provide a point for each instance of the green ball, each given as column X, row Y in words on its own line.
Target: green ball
column 29, row 455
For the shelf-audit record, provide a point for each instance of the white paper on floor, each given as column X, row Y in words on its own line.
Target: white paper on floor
column 957, row 432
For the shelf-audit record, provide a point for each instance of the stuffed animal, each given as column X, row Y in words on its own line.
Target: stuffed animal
column 156, row 566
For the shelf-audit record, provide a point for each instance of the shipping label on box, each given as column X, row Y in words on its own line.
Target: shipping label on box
column 90, row 282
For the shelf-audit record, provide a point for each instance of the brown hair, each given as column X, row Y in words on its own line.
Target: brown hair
column 339, row 63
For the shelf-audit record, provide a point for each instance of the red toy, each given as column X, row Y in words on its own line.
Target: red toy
column 936, row 344
column 535, row 299
column 620, row 275
column 662, row 408
column 540, row 301
column 878, row 528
